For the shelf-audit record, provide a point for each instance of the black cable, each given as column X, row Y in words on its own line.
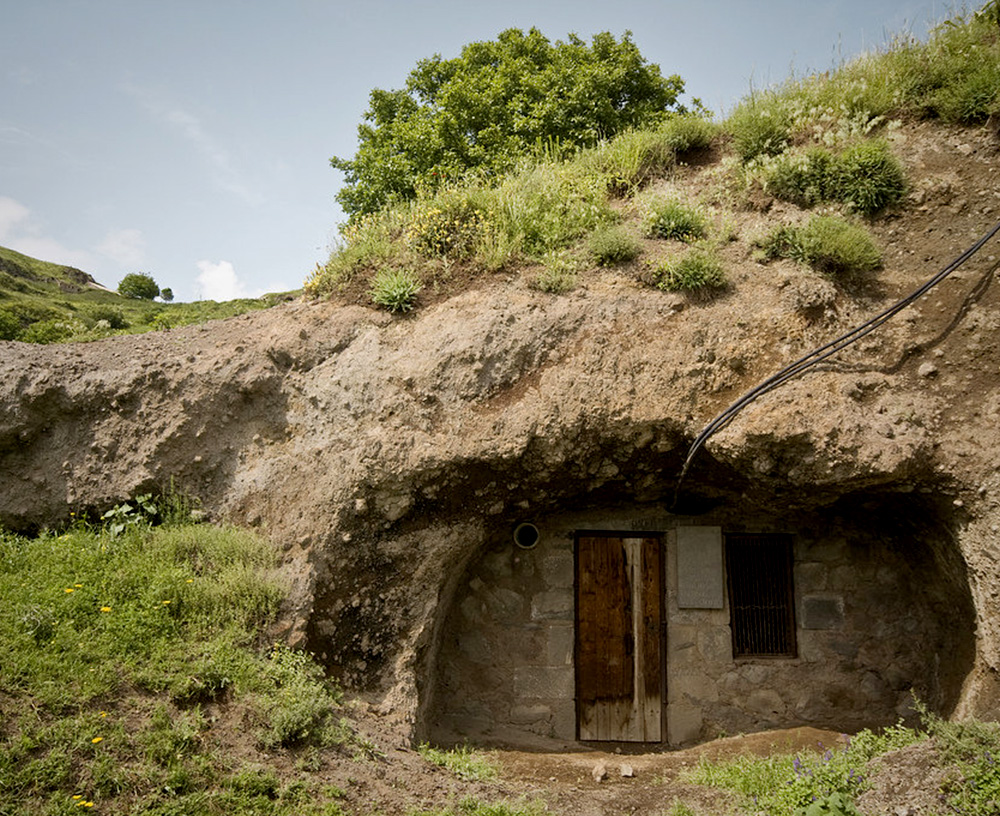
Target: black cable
column 822, row 353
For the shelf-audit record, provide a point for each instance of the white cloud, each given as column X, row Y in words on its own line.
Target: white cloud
column 127, row 247
column 12, row 214
column 219, row 281
column 21, row 232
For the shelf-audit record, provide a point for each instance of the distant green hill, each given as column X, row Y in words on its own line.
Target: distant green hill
column 43, row 302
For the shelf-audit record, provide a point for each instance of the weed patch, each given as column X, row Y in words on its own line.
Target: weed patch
column 395, row 289
column 675, row 220
column 464, row 762
column 612, row 245
column 828, row 244
column 804, row 785
column 697, row 271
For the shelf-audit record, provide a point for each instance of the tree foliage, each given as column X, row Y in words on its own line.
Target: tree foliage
column 494, row 103
column 139, row 286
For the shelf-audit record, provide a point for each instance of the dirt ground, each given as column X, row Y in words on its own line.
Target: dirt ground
column 634, row 780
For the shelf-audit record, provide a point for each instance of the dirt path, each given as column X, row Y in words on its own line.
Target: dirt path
column 641, row 783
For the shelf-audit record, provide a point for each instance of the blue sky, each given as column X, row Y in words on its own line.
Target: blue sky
column 190, row 139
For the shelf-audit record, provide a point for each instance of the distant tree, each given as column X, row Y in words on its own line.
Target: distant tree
column 139, row 286
column 167, row 294
column 493, row 104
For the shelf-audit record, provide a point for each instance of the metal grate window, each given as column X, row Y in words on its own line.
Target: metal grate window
column 761, row 601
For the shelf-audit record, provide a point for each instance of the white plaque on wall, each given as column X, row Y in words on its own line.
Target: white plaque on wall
column 699, row 568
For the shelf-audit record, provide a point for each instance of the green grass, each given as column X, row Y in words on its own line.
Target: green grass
column 395, row 289
column 826, row 243
column 464, row 762
column 471, row 806
column 42, row 302
column 612, row 245
column 784, row 784
column 111, row 645
column 674, row 220
column 698, row 271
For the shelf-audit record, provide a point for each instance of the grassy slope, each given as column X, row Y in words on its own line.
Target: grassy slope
column 46, row 302
column 811, row 141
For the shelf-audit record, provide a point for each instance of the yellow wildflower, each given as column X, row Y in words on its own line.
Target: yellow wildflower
column 105, row 608
column 69, row 589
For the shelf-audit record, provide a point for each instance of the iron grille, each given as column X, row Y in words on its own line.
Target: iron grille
column 761, row 600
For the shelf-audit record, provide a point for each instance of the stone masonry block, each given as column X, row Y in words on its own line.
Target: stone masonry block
column 555, row 604
column 544, row 683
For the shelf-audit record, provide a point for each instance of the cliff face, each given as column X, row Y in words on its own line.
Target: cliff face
column 382, row 453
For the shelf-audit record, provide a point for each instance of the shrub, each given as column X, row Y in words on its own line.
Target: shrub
column 631, row 159
column 868, row 177
column 559, row 274
column 10, row 325
column 138, row 286
column 696, row 271
column 48, row 331
column 688, row 132
column 395, row 289
column 297, row 706
column 113, row 315
column 838, row 247
column 447, row 227
column 760, row 126
column 802, row 178
column 674, row 220
column 612, row 245
column 826, row 243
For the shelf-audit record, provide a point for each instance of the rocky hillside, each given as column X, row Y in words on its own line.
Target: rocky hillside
column 381, row 451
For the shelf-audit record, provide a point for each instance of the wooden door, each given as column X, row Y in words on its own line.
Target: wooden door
column 618, row 638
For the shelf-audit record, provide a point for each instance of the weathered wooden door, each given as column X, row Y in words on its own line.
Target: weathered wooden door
column 618, row 638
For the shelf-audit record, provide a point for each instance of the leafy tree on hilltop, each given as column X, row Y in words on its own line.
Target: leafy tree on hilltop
column 493, row 104
column 139, row 286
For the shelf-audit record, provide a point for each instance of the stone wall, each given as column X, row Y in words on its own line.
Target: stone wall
column 877, row 612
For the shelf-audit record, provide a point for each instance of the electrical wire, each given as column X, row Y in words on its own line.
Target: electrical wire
column 822, row 353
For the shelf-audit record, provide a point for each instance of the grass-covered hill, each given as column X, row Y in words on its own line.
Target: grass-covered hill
column 42, row 302
column 823, row 144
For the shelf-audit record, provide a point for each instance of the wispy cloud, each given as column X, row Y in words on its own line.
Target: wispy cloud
column 127, row 247
column 20, row 231
column 189, row 127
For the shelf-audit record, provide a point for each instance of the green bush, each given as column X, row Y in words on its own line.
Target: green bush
column 826, row 243
column 112, row 314
column 688, row 132
column 698, row 270
column 760, row 126
column 868, row 177
column 48, row 331
column 674, row 220
column 611, row 245
column 448, row 227
column 804, row 179
column 395, row 289
column 297, row 706
column 10, row 325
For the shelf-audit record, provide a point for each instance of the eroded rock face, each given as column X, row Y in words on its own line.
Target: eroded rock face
column 382, row 454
